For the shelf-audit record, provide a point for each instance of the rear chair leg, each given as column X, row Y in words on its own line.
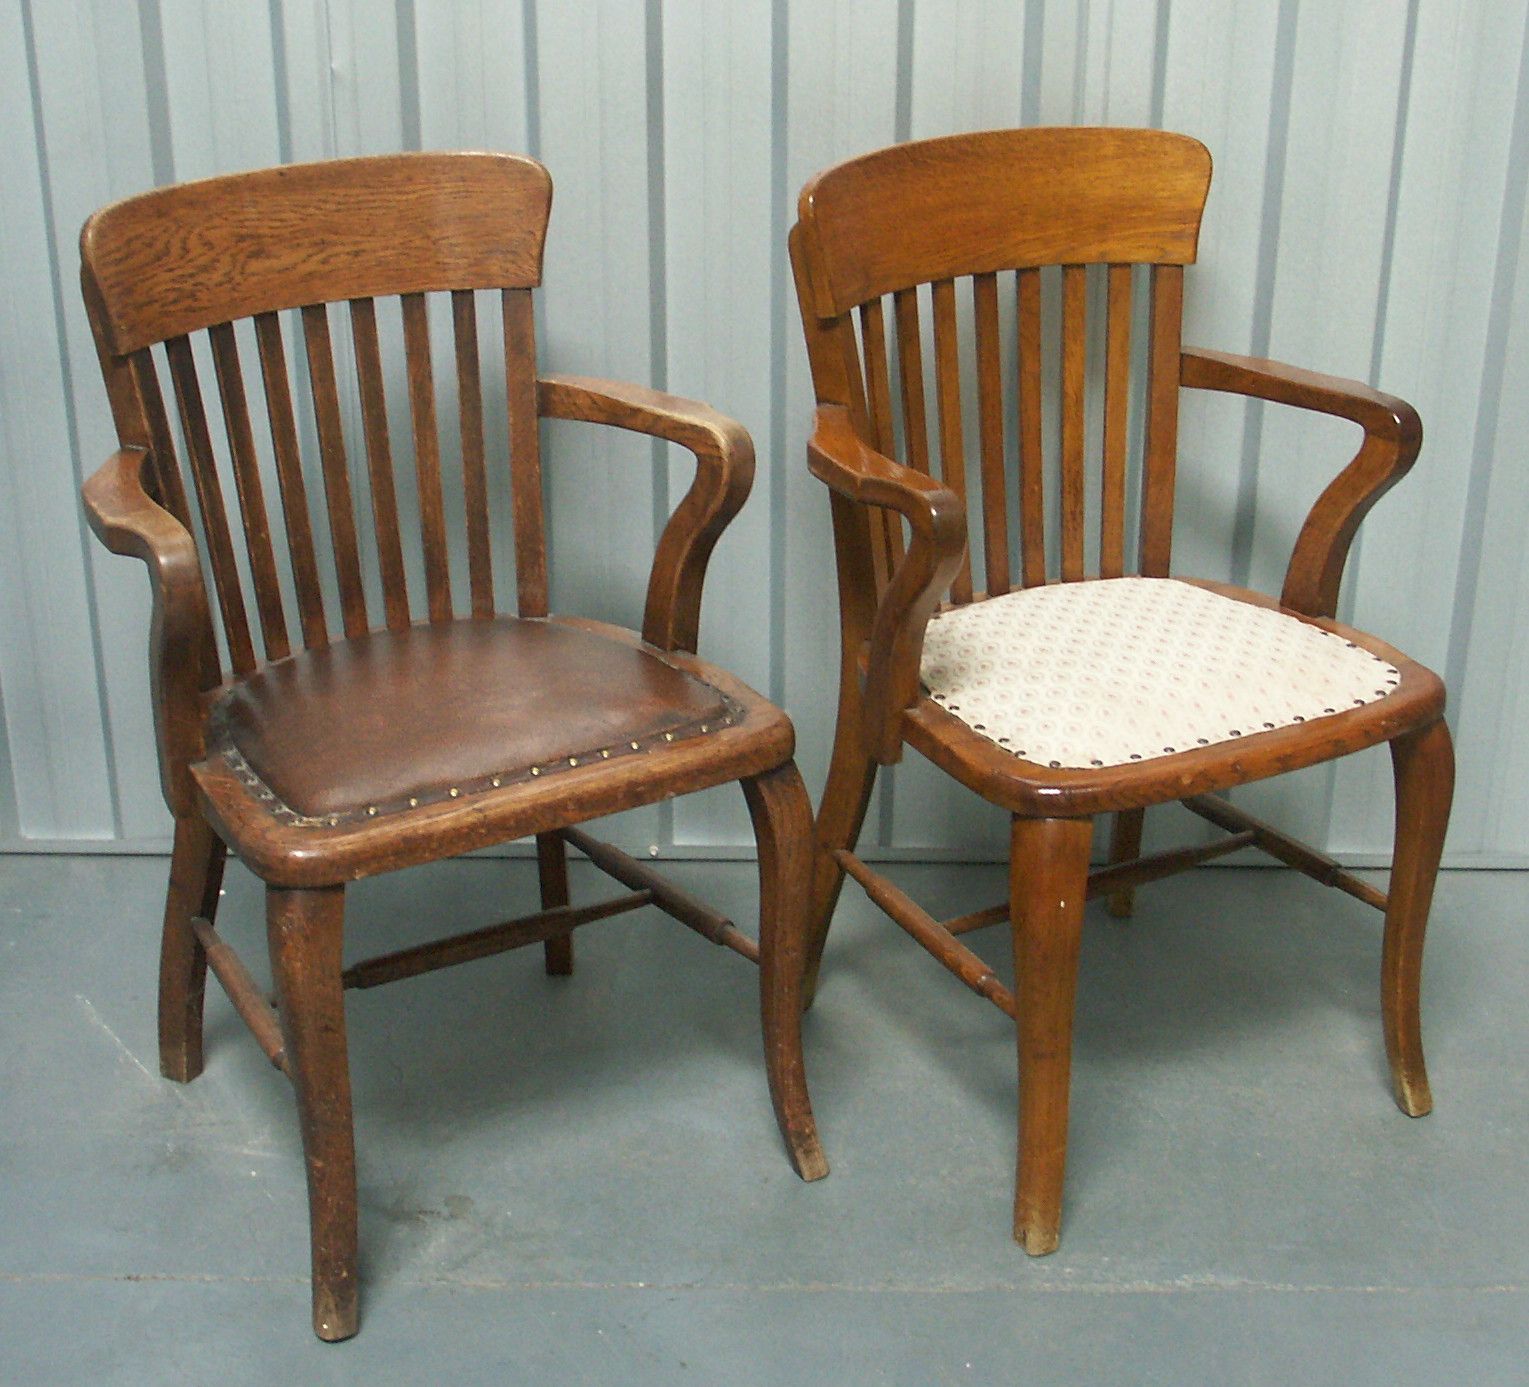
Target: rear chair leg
column 1048, row 883
column 304, row 929
column 552, row 869
column 782, row 818
column 846, row 796
column 1125, row 846
column 1424, row 766
column 196, row 875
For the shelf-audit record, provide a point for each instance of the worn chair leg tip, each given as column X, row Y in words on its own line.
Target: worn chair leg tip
column 810, row 1165
column 335, row 1331
column 179, row 1069
column 1413, row 1097
column 1038, row 1242
column 335, row 1323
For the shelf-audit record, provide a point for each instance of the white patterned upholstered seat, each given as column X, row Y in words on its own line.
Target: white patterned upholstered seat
column 1120, row 670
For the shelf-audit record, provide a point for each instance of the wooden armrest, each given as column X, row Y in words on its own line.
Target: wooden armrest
column 129, row 521
column 1392, row 436
column 724, row 456
column 937, row 517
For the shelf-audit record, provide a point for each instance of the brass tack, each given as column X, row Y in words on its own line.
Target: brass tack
column 668, row 736
column 453, row 792
column 634, row 746
column 495, row 782
column 573, row 760
column 371, row 809
column 605, row 756
column 536, row 770
column 413, row 803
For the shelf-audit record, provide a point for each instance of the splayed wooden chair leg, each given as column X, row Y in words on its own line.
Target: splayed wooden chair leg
column 552, row 869
column 1048, row 882
column 782, row 818
column 305, row 929
column 196, row 876
column 1424, row 766
column 846, row 796
column 1125, row 846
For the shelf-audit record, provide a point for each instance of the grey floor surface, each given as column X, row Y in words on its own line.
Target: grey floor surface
column 579, row 1180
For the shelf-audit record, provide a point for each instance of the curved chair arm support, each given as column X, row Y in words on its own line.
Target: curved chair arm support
column 724, row 456
column 1392, row 436
column 129, row 521
column 837, row 456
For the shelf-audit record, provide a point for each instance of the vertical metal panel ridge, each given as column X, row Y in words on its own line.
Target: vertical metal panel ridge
column 408, row 73
column 902, row 120
column 157, row 89
column 1393, row 200
column 51, row 689
column 781, row 449
column 71, row 423
column 1485, row 701
column 533, row 80
column 1160, row 60
column 1268, row 252
column 658, row 293
column 1509, row 247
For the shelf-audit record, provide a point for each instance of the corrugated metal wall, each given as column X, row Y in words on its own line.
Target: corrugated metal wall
column 1367, row 218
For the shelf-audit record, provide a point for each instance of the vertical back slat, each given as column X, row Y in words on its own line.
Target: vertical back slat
column 1161, row 450
column 1032, row 476
column 167, row 473
column 1074, row 354
column 995, row 513
column 379, row 462
column 947, row 374
column 257, row 528
column 289, row 479
column 337, row 500
column 878, row 389
column 910, row 372
column 525, row 452
column 464, row 320
column 209, row 494
column 878, row 381
column 1117, row 386
column 427, row 456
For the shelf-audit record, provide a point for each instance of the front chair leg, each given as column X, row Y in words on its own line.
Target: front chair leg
column 305, row 929
column 782, row 818
column 552, row 870
column 196, row 876
column 1424, row 766
column 1048, row 884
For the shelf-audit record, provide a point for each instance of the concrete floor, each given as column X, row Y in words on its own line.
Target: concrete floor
column 579, row 1180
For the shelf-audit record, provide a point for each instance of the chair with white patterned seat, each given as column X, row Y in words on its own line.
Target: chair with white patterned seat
column 1076, row 677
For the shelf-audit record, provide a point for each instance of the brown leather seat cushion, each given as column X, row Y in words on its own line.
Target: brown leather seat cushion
column 369, row 724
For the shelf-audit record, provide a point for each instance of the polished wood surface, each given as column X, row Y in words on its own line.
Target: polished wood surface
column 990, row 202
column 1077, row 221
column 418, row 718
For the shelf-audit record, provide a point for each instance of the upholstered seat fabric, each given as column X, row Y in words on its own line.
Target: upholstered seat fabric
column 1121, row 670
column 394, row 719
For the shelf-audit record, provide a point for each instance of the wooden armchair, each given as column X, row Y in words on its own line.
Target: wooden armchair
column 1053, row 697
column 356, row 740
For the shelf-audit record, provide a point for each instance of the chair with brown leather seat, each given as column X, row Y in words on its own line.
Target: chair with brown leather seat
column 1045, row 660
column 335, row 736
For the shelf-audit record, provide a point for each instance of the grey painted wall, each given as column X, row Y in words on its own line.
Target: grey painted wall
column 1367, row 218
